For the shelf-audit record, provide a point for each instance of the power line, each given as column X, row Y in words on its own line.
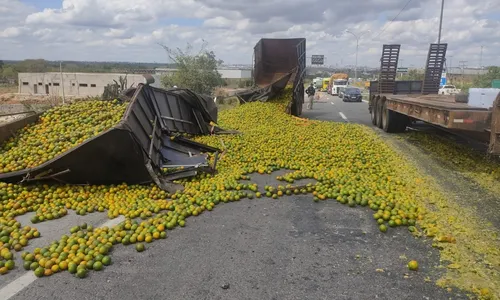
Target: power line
column 389, row 24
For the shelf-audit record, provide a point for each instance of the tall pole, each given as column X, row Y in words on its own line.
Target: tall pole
column 356, row 64
column 357, row 47
column 62, row 81
column 401, row 66
column 441, row 22
column 481, row 59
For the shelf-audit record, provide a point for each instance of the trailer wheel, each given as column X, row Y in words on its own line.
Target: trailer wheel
column 373, row 110
column 393, row 122
column 294, row 110
column 379, row 109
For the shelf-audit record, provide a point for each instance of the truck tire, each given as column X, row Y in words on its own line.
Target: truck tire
column 393, row 122
column 295, row 109
column 379, row 109
column 373, row 111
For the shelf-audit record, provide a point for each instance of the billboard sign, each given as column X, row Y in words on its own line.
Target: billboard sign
column 317, row 59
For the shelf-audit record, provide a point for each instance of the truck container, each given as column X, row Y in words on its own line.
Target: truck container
column 394, row 104
column 279, row 62
column 326, row 83
column 337, row 81
column 147, row 141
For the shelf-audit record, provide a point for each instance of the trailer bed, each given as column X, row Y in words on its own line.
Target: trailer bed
column 444, row 102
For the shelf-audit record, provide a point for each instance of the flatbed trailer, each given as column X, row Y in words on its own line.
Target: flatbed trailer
column 393, row 104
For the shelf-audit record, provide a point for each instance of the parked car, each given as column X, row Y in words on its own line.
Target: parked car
column 352, row 94
column 449, row 90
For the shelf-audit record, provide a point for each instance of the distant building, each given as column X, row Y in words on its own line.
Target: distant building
column 75, row 84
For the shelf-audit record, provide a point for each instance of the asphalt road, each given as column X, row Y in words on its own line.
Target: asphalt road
column 290, row 248
column 332, row 108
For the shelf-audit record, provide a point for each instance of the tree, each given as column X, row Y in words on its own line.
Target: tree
column 8, row 73
column 33, row 65
column 113, row 90
column 413, row 75
column 197, row 72
column 484, row 81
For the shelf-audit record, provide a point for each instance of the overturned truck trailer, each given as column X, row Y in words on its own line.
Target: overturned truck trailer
column 278, row 62
column 139, row 149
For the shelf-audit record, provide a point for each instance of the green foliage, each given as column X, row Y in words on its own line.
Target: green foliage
column 8, row 72
column 112, row 91
column 484, row 81
column 412, row 75
column 10, row 69
column 197, row 72
column 464, row 86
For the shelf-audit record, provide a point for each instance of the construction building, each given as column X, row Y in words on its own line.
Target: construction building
column 92, row 84
column 73, row 84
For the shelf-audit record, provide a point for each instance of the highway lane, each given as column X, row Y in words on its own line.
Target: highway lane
column 332, row 108
column 256, row 249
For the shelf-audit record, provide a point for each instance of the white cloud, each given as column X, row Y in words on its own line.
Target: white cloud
column 11, row 32
column 130, row 30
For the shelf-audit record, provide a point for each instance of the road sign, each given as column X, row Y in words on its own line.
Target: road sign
column 317, row 59
column 443, row 79
column 495, row 83
column 402, row 70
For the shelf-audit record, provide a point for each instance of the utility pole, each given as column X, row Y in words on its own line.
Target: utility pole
column 401, row 65
column 441, row 22
column 62, row 81
column 481, row 58
column 357, row 47
column 463, row 65
column 449, row 68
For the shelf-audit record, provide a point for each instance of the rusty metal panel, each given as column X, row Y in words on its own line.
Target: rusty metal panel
column 276, row 59
column 438, row 102
column 469, row 120
column 274, row 56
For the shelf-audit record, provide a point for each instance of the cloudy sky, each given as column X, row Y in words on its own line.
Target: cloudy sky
column 130, row 30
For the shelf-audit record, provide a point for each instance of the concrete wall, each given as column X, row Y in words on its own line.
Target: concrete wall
column 235, row 73
column 226, row 73
column 75, row 84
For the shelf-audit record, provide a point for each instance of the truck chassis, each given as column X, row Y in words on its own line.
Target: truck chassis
column 393, row 105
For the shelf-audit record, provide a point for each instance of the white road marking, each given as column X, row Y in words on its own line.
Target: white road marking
column 365, row 101
column 17, row 285
column 343, row 116
column 22, row 282
column 332, row 103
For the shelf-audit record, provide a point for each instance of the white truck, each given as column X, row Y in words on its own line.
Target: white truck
column 318, row 83
column 448, row 89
